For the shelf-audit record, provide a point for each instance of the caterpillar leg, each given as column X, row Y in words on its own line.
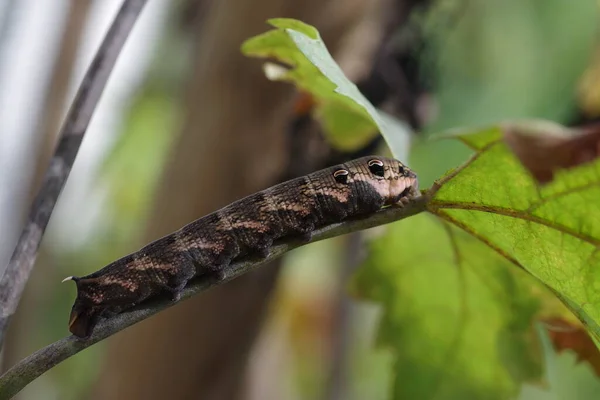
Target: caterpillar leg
column 186, row 270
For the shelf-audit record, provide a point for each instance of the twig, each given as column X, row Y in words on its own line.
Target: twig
column 21, row 263
column 41, row 361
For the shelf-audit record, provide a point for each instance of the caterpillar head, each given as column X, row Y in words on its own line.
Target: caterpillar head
column 389, row 178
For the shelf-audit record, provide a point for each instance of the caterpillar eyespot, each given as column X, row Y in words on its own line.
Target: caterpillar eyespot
column 341, row 176
column 376, row 167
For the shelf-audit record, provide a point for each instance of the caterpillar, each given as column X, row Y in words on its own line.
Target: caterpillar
column 248, row 227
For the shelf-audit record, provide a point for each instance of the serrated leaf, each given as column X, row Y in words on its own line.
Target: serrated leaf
column 456, row 318
column 350, row 120
column 553, row 231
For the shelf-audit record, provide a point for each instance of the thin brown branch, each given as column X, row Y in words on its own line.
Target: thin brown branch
column 41, row 361
column 76, row 123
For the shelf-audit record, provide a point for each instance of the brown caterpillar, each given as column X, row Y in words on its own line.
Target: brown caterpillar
column 246, row 228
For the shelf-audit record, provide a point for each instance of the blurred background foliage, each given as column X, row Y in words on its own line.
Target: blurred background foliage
column 435, row 64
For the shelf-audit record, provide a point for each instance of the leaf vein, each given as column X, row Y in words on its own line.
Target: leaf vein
column 434, row 206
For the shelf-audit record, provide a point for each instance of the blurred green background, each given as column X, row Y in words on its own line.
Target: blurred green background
column 187, row 124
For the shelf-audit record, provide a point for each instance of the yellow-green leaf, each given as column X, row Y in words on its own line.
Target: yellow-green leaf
column 552, row 231
column 350, row 120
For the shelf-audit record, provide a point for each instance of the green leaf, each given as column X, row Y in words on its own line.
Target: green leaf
column 455, row 317
column 350, row 120
column 551, row 231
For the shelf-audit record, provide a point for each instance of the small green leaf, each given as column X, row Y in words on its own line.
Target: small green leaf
column 456, row 318
column 552, row 231
column 350, row 120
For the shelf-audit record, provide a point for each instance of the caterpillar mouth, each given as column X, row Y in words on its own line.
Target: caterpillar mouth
column 411, row 190
column 406, row 192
